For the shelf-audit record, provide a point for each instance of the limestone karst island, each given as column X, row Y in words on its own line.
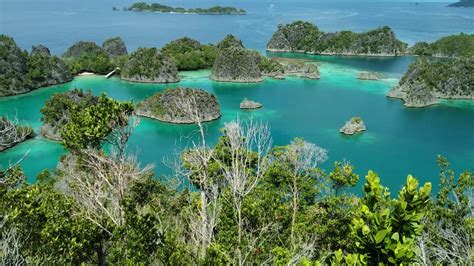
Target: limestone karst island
column 236, row 133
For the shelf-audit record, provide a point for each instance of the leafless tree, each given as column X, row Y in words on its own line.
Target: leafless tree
column 458, row 250
column 10, row 244
column 453, row 249
column 306, row 249
column 11, row 133
column 120, row 136
column 197, row 171
column 302, row 157
column 99, row 183
column 424, row 252
column 248, row 145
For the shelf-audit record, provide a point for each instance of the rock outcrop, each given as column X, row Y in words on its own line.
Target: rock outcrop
column 368, row 76
column 302, row 70
column 13, row 68
column 180, row 105
column 304, row 37
column 115, row 47
column 151, row 66
column 235, row 64
column 45, row 69
column 270, row 67
column 247, row 104
column 21, row 72
column 87, row 57
column 427, row 81
column 82, row 48
column 353, row 126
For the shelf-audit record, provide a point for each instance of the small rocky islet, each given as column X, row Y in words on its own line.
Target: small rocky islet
column 248, row 104
column 368, row 76
column 353, row 126
column 180, row 106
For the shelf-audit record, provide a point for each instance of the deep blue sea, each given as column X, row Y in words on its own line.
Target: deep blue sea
column 59, row 23
column 398, row 140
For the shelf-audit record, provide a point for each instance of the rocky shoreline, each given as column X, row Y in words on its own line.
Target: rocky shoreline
column 172, row 105
column 428, row 81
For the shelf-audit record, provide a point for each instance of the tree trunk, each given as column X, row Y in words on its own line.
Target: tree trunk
column 294, row 207
column 101, row 255
column 239, row 225
column 204, row 230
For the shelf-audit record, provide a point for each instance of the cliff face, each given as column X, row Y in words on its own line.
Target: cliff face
column 149, row 65
column 13, row 68
column 234, row 63
column 426, row 82
column 20, row 72
column 169, row 106
column 87, row 56
column 304, row 37
column 115, row 47
column 82, row 48
column 46, row 70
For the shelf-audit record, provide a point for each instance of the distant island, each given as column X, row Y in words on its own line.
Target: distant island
column 155, row 7
column 305, row 37
column 463, row 3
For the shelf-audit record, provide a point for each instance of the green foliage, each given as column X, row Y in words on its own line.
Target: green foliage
column 189, row 54
column 269, row 65
column 343, row 175
column 90, row 126
column 306, row 37
column 386, row 229
column 13, row 68
column 57, row 111
column 461, row 45
column 229, row 41
column 147, row 63
column 49, row 231
column 10, row 178
column 87, row 56
column 448, row 77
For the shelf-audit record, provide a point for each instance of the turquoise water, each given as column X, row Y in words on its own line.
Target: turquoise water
column 398, row 141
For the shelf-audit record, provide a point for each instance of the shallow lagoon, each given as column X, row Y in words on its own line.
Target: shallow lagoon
column 398, row 140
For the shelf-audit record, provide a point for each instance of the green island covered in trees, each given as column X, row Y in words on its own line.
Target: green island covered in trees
column 443, row 70
column 305, row 37
column 215, row 10
column 241, row 201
